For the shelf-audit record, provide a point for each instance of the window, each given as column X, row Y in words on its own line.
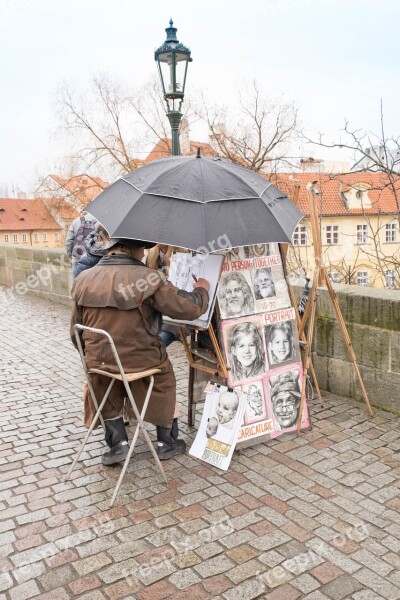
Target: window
column 391, row 279
column 300, row 236
column 391, row 232
column 24, row 238
column 362, row 278
column 56, row 237
column 362, row 234
column 44, row 237
column 332, row 234
column 35, row 237
column 6, row 238
column 15, row 238
column 334, row 276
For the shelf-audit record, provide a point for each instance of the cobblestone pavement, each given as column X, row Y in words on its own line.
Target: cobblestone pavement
column 312, row 517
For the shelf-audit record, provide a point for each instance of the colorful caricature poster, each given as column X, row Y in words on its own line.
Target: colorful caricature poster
column 220, row 425
column 251, row 284
column 244, row 348
column 282, row 390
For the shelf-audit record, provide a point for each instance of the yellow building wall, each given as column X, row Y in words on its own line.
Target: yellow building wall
column 37, row 238
column 348, row 257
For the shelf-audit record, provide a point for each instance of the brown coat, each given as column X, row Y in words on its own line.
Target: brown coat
column 127, row 299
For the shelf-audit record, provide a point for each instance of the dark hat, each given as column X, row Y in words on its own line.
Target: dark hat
column 129, row 243
column 285, row 382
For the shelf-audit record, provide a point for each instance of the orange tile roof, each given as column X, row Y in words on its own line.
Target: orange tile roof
column 25, row 215
column 163, row 148
column 63, row 208
column 83, row 187
column 383, row 200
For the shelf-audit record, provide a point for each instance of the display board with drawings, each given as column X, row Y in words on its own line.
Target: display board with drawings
column 252, row 284
column 185, row 268
column 260, row 341
column 220, row 425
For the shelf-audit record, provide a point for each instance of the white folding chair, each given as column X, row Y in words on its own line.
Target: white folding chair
column 126, row 378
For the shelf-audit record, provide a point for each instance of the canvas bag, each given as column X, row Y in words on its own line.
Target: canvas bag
column 85, row 228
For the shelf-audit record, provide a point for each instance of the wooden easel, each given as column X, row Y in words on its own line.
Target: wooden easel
column 321, row 277
column 196, row 358
column 305, row 341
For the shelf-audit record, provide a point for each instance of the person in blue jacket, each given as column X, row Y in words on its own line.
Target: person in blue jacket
column 94, row 246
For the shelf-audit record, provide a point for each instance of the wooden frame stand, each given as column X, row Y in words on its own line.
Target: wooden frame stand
column 201, row 360
column 321, row 277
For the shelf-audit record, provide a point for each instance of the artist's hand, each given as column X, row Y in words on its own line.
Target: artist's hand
column 203, row 283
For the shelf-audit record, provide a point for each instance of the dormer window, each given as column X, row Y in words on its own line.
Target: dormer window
column 356, row 195
column 24, row 210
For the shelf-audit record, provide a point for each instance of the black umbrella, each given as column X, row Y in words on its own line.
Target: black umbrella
column 203, row 204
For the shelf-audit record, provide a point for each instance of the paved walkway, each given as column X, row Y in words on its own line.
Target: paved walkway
column 313, row 517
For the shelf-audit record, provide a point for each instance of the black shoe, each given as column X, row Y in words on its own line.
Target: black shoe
column 117, row 440
column 166, row 451
column 168, row 444
column 116, row 454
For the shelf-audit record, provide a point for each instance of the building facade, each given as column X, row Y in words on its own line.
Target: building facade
column 359, row 225
column 29, row 223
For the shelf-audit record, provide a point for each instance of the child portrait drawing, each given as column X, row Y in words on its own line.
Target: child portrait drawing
column 212, row 427
column 246, row 351
column 279, row 342
column 227, row 406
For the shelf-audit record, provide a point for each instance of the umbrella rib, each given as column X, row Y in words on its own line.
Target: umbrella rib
column 188, row 199
column 131, row 184
column 265, row 189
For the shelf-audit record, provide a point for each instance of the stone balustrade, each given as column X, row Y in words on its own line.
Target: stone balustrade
column 372, row 318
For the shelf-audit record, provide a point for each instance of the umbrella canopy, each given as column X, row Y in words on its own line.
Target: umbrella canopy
column 196, row 203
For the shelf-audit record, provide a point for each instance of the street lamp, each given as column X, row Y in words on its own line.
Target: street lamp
column 172, row 60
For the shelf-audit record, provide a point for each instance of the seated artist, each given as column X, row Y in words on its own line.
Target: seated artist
column 127, row 299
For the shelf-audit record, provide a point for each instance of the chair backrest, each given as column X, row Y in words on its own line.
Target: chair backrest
column 81, row 328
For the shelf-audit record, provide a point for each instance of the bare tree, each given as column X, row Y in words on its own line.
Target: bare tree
column 257, row 135
column 374, row 153
column 113, row 127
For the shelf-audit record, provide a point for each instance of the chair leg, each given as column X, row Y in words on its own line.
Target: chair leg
column 140, row 426
column 92, row 426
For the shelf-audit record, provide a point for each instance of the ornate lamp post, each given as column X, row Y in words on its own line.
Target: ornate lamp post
column 172, row 60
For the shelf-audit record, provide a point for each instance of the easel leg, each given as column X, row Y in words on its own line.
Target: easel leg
column 191, row 403
column 347, row 340
column 312, row 302
column 302, row 337
column 315, row 380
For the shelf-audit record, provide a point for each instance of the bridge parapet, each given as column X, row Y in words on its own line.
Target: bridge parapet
column 372, row 317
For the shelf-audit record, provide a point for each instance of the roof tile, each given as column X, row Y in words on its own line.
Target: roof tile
column 24, row 215
column 383, row 199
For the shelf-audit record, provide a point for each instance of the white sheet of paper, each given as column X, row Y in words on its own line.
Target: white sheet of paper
column 182, row 269
column 220, row 426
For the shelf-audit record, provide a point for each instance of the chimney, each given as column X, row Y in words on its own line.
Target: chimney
column 219, row 134
column 184, row 138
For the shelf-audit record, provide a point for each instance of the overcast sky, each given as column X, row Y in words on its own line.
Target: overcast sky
column 334, row 58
